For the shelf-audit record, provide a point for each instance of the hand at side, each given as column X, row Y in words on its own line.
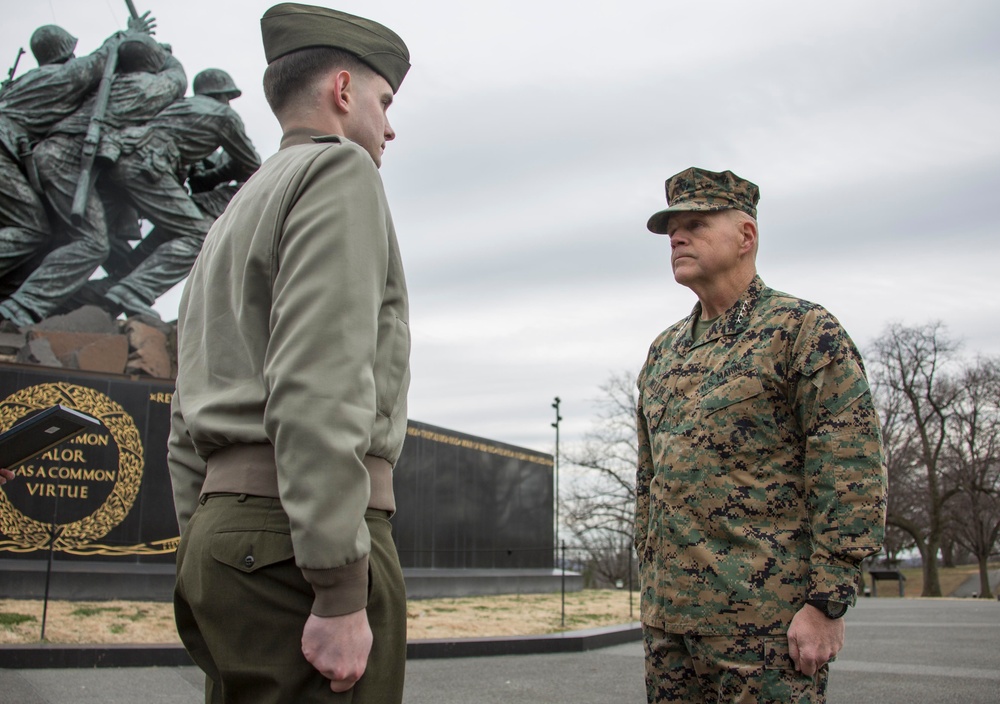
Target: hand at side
column 338, row 647
column 814, row 639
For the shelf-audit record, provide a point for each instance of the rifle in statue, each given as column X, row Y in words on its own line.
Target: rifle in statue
column 13, row 69
column 93, row 139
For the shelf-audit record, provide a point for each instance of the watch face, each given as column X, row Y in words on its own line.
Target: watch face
column 835, row 609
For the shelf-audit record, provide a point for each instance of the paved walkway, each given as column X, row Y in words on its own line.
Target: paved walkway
column 898, row 652
column 970, row 587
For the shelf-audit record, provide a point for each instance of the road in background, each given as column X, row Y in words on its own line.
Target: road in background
column 899, row 651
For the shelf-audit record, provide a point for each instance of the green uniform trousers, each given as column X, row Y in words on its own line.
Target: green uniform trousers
column 726, row 669
column 241, row 604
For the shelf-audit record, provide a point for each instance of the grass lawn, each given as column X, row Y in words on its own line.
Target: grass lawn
column 951, row 579
column 153, row 622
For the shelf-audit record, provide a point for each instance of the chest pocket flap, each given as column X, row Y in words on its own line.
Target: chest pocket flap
column 732, row 391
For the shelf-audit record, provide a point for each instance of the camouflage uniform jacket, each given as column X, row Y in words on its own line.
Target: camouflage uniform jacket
column 761, row 480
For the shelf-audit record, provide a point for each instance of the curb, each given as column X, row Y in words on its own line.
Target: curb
column 43, row 655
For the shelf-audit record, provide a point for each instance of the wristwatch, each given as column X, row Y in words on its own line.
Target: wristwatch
column 830, row 609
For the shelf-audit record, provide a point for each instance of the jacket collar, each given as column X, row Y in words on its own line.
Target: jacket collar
column 734, row 321
column 306, row 135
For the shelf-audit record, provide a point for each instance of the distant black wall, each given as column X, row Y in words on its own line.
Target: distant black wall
column 467, row 502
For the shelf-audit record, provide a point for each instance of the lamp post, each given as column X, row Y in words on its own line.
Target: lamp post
column 556, row 546
column 555, row 425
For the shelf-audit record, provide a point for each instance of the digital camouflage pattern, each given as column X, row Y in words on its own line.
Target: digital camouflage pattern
column 698, row 189
column 761, row 480
column 731, row 669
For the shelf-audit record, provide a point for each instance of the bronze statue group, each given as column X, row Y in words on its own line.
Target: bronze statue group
column 92, row 146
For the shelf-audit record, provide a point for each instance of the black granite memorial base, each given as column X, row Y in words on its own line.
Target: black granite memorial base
column 101, row 581
column 44, row 655
column 87, row 581
column 441, row 583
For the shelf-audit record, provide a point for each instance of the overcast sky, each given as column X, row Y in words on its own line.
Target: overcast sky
column 533, row 140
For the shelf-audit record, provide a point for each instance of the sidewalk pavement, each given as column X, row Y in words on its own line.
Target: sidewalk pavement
column 899, row 651
column 970, row 587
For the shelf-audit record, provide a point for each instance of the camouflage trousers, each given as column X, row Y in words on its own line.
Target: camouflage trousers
column 726, row 669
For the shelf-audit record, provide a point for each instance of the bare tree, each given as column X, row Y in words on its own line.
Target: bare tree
column 974, row 452
column 916, row 394
column 599, row 505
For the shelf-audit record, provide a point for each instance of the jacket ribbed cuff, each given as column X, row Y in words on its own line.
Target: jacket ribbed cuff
column 340, row 590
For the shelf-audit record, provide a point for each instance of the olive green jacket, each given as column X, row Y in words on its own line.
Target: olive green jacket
column 761, row 479
column 293, row 339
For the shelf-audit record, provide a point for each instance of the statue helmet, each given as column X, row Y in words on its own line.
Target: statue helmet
column 215, row 81
column 52, row 45
column 140, row 53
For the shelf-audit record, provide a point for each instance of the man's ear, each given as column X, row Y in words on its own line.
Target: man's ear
column 748, row 235
column 340, row 89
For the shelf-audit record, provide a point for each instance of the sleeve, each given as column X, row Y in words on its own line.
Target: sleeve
column 241, row 157
column 187, row 468
column 643, row 477
column 845, row 477
column 332, row 263
column 171, row 82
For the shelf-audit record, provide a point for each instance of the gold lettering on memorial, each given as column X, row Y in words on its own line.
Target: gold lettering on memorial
column 30, row 471
column 161, row 397
column 67, row 491
column 479, row 446
column 63, row 455
column 89, row 439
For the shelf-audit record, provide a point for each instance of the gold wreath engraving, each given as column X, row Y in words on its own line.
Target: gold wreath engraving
column 29, row 534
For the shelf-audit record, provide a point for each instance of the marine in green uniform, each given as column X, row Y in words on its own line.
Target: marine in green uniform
column 290, row 405
column 761, row 482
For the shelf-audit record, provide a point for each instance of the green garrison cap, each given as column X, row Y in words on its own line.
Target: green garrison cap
column 290, row 26
column 698, row 189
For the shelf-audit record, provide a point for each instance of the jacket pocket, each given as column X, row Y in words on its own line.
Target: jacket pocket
column 249, row 551
column 736, row 390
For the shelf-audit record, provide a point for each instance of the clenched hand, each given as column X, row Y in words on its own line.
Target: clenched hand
column 338, row 647
column 814, row 639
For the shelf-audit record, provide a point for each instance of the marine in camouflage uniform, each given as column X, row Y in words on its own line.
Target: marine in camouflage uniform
column 761, row 482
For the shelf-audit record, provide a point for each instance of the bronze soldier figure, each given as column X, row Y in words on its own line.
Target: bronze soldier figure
column 148, row 79
column 30, row 106
column 150, row 175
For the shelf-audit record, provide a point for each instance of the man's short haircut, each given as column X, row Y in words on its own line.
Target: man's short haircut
column 738, row 217
column 291, row 77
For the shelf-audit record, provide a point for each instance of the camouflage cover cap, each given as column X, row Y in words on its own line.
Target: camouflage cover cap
column 698, row 189
column 289, row 27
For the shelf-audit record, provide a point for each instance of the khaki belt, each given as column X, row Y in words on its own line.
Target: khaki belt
column 251, row 469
